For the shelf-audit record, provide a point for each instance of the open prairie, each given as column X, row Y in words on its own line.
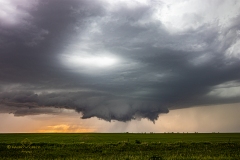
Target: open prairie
column 120, row 146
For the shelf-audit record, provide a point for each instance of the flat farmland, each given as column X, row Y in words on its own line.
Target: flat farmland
column 120, row 146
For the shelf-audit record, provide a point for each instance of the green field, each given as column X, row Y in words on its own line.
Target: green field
column 120, row 146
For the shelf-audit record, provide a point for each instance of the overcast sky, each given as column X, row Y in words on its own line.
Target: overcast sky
column 118, row 60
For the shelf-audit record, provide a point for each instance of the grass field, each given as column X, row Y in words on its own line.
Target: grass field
column 91, row 146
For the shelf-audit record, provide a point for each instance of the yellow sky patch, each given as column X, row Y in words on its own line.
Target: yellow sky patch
column 64, row 128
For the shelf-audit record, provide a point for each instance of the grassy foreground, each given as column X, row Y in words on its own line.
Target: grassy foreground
column 120, row 146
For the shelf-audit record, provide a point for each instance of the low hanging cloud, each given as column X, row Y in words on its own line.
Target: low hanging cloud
column 101, row 105
column 118, row 60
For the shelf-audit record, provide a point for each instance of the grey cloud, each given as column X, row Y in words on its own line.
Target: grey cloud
column 158, row 70
column 23, row 109
column 101, row 105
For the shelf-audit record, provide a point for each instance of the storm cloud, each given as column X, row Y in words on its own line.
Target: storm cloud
column 118, row 60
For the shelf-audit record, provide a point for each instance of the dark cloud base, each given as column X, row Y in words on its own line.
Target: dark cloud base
column 103, row 106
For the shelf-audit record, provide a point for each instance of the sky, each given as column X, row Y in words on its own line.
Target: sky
column 119, row 66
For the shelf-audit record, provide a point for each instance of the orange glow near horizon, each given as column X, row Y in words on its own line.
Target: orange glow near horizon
column 64, row 128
